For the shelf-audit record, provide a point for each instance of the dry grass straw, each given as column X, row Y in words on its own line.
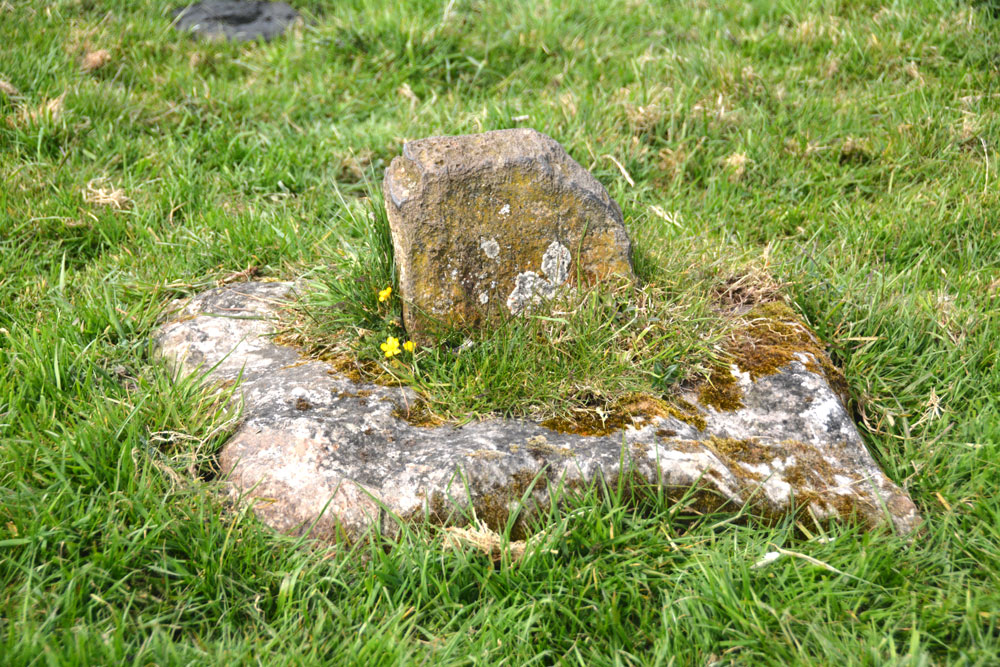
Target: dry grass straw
column 50, row 109
column 737, row 165
column 482, row 538
column 102, row 193
column 95, row 60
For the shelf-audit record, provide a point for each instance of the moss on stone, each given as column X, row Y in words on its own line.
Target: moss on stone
column 640, row 449
column 589, row 422
column 772, row 337
column 687, row 413
column 721, row 391
column 810, row 476
column 744, row 451
column 418, row 414
column 356, row 370
column 492, row 507
column 632, row 409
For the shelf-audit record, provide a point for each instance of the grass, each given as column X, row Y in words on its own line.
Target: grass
column 849, row 147
column 582, row 355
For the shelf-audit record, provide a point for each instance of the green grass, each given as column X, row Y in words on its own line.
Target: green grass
column 582, row 355
column 849, row 148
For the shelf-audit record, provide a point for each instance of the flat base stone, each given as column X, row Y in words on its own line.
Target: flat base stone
column 235, row 20
column 320, row 454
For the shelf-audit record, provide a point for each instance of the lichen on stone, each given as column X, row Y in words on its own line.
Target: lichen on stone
column 530, row 288
column 632, row 409
column 770, row 337
column 418, row 413
column 555, row 263
column 490, row 247
column 812, row 482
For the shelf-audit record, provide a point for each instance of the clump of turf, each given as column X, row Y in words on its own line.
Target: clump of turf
column 579, row 360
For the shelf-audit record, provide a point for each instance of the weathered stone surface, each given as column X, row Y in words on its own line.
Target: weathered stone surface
column 322, row 454
column 485, row 225
column 235, row 20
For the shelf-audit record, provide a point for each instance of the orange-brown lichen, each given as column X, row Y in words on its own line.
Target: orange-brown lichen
column 772, row 337
column 487, row 454
column 539, row 444
column 343, row 363
column 419, row 414
column 721, row 391
column 744, row 451
column 633, row 409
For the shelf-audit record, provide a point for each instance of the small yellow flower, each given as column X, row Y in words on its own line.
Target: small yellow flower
column 409, row 346
column 390, row 346
column 384, row 295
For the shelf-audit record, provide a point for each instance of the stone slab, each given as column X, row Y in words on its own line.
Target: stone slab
column 321, row 454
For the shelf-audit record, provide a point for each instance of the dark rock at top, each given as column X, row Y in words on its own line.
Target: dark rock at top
column 235, row 20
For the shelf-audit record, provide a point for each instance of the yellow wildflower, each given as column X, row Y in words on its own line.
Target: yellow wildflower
column 409, row 346
column 390, row 346
column 384, row 295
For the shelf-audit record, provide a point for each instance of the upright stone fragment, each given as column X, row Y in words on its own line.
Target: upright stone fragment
column 485, row 225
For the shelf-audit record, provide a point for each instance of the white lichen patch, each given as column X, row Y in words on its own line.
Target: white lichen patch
column 777, row 490
column 505, row 210
column 555, row 263
column 805, row 358
column 742, row 378
column 822, row 412
column 842, row 481
column 530, row 288
column 845, row 486
column 403, row 186
column 490, row 248
column 678, row 466
column 759, row 469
